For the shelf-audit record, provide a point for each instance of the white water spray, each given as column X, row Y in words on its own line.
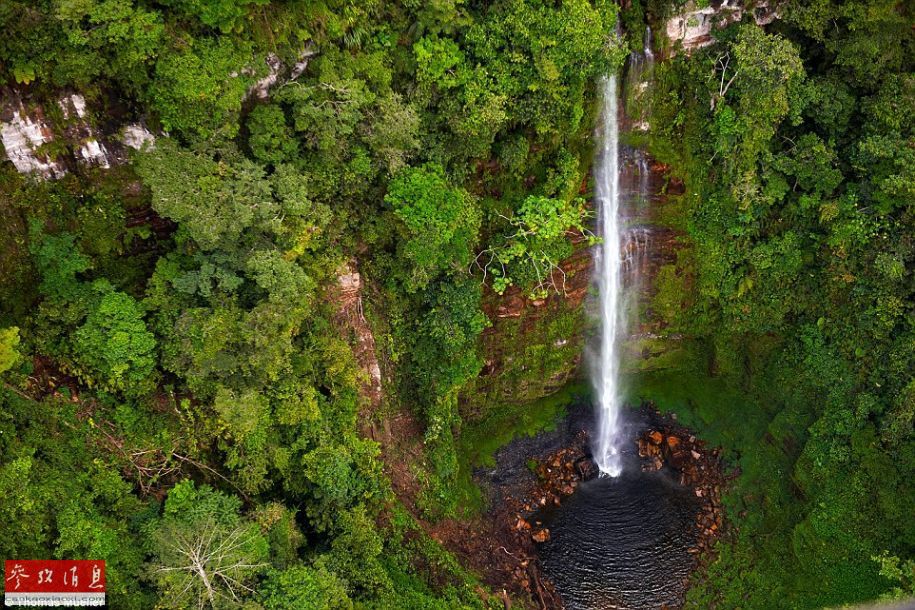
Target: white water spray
column 621, row 259
column 608, row 265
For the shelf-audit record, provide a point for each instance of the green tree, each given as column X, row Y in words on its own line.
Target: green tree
column 9, row 354
column 538, row 243
column 271, row 140
column 110, row 37
column 197, row 90
column 59, row 261
column 114, row 345
column 224, row 15
column 213, row 201
column 304, row 588
column 440, row 223
column 356, row 552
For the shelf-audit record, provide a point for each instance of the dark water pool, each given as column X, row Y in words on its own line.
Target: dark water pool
column 622, row 543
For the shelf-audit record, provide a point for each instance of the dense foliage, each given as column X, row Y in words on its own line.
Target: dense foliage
column 798, row 148
column 179, row 397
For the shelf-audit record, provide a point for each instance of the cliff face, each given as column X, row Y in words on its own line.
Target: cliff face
column 656, row 243
column 50, row 139
column 693, row 26
column 534, row 346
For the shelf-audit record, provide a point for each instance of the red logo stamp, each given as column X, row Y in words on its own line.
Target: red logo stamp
column 51, row 582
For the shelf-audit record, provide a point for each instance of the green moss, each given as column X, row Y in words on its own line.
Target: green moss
column 531, row 357
column 669, row 291
column 479, row 440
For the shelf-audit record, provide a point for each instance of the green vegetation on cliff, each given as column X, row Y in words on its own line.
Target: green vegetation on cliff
column 174, row 370
column 796, row 299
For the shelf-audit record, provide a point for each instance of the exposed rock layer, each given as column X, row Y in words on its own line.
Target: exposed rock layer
column 692, row 28
column 346, row 295
column 48, row 143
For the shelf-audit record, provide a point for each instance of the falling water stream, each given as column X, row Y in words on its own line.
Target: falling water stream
column 617, row 261
column 608, row 265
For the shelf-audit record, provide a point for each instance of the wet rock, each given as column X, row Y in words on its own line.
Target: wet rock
column 541, row 535
column 680, row 460
column 586, row 469
column 647, row 449
column 655, row 437
column 653, row 465
column 643, row 447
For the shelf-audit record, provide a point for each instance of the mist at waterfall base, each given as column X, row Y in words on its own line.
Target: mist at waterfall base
column 622, row 539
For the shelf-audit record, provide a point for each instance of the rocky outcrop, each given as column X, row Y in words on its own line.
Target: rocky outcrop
column 692, row 27
column 346, row 296
column 49, row 142
column 671, row 446
column 24, row 137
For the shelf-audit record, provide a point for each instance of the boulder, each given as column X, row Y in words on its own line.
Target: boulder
column 586, row 469
column 680, row 460
column 541, row 535
column 653, row 464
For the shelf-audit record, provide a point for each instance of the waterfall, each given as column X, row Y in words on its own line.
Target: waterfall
column 646, row 47
column 639, row 72
column 608, row 265
column 621, row 258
